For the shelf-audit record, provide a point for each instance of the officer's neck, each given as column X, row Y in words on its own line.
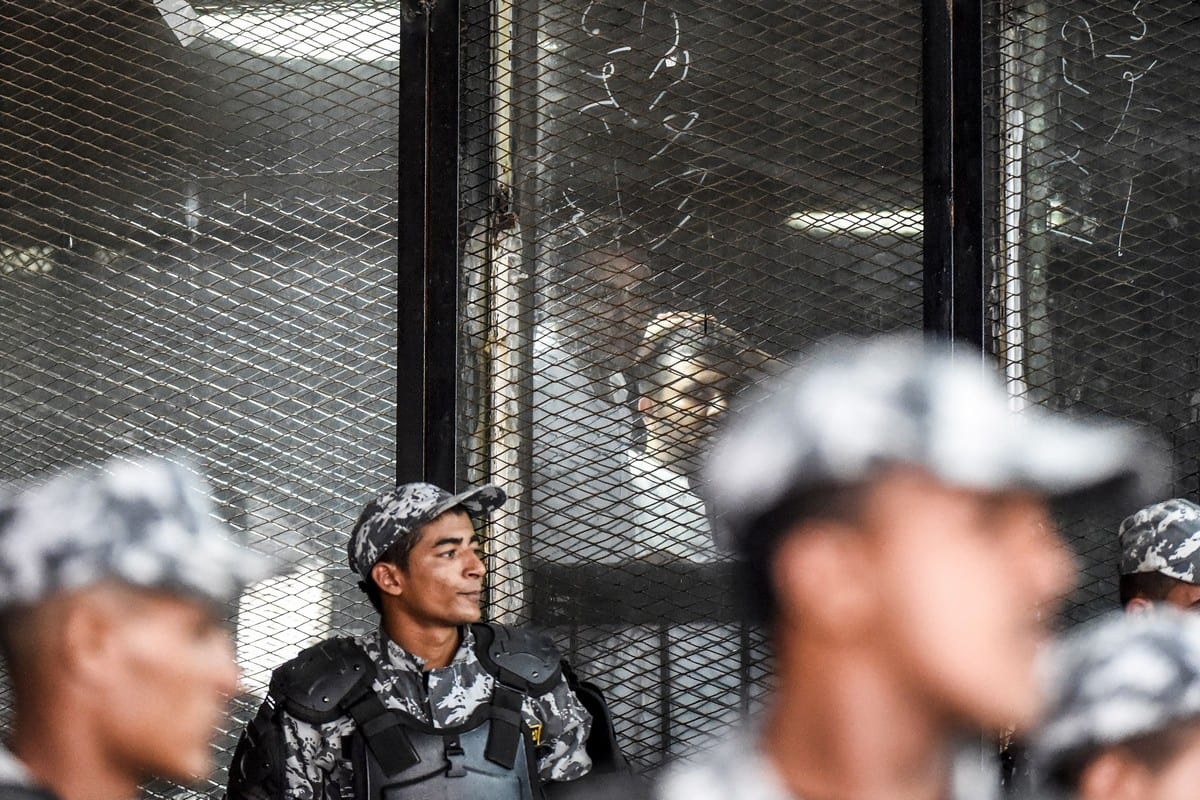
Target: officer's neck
column 435, row 645
column 839, row 726
column 42, row 740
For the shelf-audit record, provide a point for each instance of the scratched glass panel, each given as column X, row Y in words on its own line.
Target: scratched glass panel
column 197, row 256
column 1096, row 227
column 678, row 196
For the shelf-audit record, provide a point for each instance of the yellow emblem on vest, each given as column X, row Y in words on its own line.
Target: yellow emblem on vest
column 535, row 731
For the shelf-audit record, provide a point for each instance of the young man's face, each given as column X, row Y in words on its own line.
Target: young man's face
column 172, row 673
column 963, row 581
column 443, row 582
column 682, row 415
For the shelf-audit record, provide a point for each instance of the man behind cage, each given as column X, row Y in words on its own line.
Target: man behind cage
column 583, row 419
column 433, row 704
column 890, row 519
column 688, row 369
column 113, row 585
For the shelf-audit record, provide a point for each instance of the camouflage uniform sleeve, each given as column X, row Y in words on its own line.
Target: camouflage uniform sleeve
column 562, row 754
column 312, row 769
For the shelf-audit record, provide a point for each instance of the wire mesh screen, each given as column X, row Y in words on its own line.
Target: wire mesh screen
column 1095, row 227
column 197, row 256
column 676, row 196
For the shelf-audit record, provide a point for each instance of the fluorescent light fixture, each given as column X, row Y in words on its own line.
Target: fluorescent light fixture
column 349, row 32
column 894, row 222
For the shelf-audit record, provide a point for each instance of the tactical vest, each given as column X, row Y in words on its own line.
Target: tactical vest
column 396, row 756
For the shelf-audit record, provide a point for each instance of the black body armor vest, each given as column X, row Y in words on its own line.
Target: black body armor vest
column 452, row 764
column 397, row 757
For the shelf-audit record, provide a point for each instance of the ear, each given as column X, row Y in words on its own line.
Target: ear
column 1113, row 776
column 389, row 578
column 1139, row 605
column 644, row 404
column 822, row 579
column 88, row 640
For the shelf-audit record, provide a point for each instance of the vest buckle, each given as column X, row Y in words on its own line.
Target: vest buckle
column 455, row 757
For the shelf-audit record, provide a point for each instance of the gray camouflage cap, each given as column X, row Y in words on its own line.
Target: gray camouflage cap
column 147, row 523
column 401, row 511
column 1164, row 538
column 854, row 407
column 1118, row 678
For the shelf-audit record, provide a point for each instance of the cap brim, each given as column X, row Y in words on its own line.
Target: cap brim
column 1084, row 461
column 477, row 502
column 224, row 568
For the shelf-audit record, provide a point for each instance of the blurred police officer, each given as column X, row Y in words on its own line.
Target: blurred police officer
column 1123, row 719
column 434, row 703
column 112, row 587
column 1160, row 556
column 889, row 514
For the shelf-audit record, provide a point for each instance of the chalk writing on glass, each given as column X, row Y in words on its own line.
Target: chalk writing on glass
column 639, row 75
column 1104, row 63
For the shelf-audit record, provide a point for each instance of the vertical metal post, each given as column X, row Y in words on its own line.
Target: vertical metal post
column 427, row 354
column 410, row 295
column 954, row 275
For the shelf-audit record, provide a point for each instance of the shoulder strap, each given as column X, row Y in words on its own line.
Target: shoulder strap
column 333, row 679
column 524, row 663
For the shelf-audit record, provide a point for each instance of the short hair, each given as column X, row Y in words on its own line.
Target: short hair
column 1153, row 586
column 761, row 540
column 397, row 553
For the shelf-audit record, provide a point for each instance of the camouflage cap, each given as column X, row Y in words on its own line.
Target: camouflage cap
column 1164, row 538
column 853, row 407
column 148, row 523
column 404, row 509
column 1118, row 678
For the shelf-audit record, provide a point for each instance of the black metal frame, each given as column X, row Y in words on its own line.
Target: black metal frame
column 427, row 350
column 952, row 64
column 955, row 281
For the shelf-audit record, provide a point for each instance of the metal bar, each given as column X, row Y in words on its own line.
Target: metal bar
column 526, row 206
column 952, row 64
column 442, row 237
column 506, row 290
column 411, row 240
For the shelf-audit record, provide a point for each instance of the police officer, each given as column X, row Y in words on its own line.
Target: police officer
column 112, row 587
column 1123, row 721
column 433, row 703
column 1160, row 556
column 889, row 515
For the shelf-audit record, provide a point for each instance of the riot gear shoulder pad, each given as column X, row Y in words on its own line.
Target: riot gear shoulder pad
column 523, row 659
column 315, row 685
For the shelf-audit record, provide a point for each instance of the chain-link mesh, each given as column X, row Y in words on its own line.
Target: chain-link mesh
column 1094, row 228
column 197, row 255
column 681, row 195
